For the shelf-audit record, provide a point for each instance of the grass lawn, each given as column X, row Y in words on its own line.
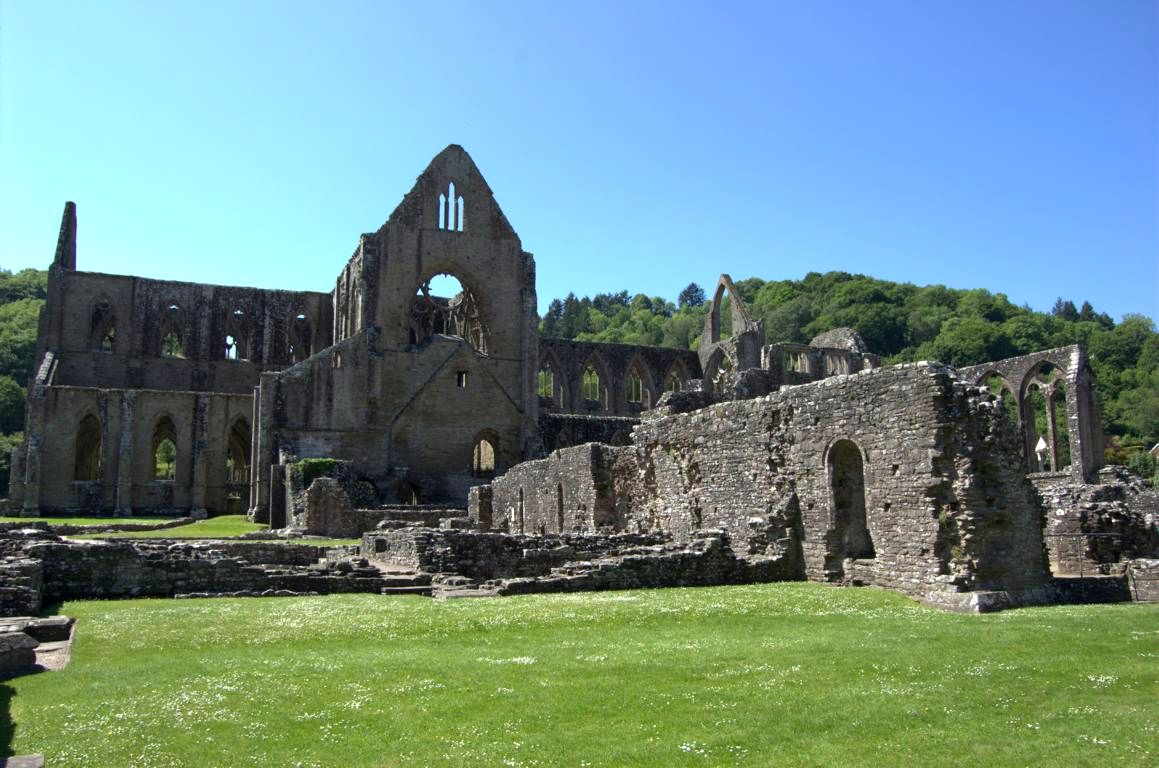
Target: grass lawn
column 83, row 520
column 784, row 674
column 220, row 527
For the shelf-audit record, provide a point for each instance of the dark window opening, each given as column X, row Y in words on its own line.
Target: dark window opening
column 88, row 450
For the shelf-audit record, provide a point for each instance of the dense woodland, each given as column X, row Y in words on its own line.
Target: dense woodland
column 899, row 321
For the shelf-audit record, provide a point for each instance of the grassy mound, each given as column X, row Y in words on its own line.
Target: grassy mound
column 784, row 674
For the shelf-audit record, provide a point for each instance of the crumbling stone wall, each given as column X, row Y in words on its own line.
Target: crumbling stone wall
column 1099, row 528
column 656, row 367
column 131, row 352
column 489, row 555
column 1083, row 423
column 569, row 491
column 114, row 569
column 399, row 403
column 901, row 477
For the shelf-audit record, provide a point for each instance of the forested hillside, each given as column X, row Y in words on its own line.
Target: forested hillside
column 901, row 322
column 21, row 296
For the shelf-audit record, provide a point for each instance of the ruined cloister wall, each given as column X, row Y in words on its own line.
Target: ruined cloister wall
column 569, row 491
column 125, row 481
column 900, row 477
column 263, row 324
column 1083, row 423
column 942, row 504
column 613, row 363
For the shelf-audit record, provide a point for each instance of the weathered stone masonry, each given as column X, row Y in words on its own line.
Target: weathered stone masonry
column 904, row 477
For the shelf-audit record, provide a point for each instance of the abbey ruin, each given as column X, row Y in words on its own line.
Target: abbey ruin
column 457, row 442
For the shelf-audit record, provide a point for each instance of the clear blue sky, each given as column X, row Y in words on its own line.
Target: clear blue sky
column 1012, row 146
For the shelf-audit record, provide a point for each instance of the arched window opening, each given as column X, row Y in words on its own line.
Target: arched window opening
column 1061, row 424
column 408, row 493
column 1045, row 424
column 545, row 383
column 638, row 391
column 483, row 456
column 237, row 455
column 847, row 494
column 237, row 336
column 87, row 464
column 999, row 388
column 171, row 345
column 164, row 450
column 103, row 327
column 635, row 388
column 559, row 507
column 432, row 313
column 173, row 332
column 592, row 388
column 301, row 338
column 451, row 210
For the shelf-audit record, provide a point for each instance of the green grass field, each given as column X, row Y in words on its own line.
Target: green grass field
column 784, row 674
column 83, row 520
column 220, row 527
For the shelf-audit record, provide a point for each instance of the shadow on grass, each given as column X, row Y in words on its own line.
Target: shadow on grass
column 7, row 727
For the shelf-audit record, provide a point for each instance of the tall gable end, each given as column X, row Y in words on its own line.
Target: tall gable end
column 451, row 195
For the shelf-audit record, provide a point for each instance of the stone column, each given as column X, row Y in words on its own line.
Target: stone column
column 1051, row 430
column 125, row 454
column 265, row 452
column 33, row 443
column 200, row 456
column 255, row 451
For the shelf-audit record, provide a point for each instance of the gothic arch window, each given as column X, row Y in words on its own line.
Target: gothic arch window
column 850, row 535
column 408, row 493
column 87, row 463
column 172, row 331
column 638, row 390
column 483, row 454
column 999, row 387
column 237, row 454
column 237, row 337
column 594, row 380
column 1045, row 422
column 164, row 450
column 545, row 383
column 721, row 324
column 549, row 385
column 301, row 338
column 674, row 381
column 451, row 210
column 103, row 326
column 443, row 305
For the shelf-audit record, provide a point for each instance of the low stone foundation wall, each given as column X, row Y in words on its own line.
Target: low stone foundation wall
column 21, row 586
column 1097, row 528
column 705, row 561
column 485, row 555
column 1143, row 578
column 48, row 568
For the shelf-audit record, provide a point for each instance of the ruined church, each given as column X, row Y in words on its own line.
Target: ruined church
column 805, row 461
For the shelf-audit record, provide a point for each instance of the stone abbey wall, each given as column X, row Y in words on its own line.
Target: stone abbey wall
column 900, row 477
column 406, row 385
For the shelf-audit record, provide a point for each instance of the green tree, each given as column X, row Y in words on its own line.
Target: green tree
column 11, row 405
